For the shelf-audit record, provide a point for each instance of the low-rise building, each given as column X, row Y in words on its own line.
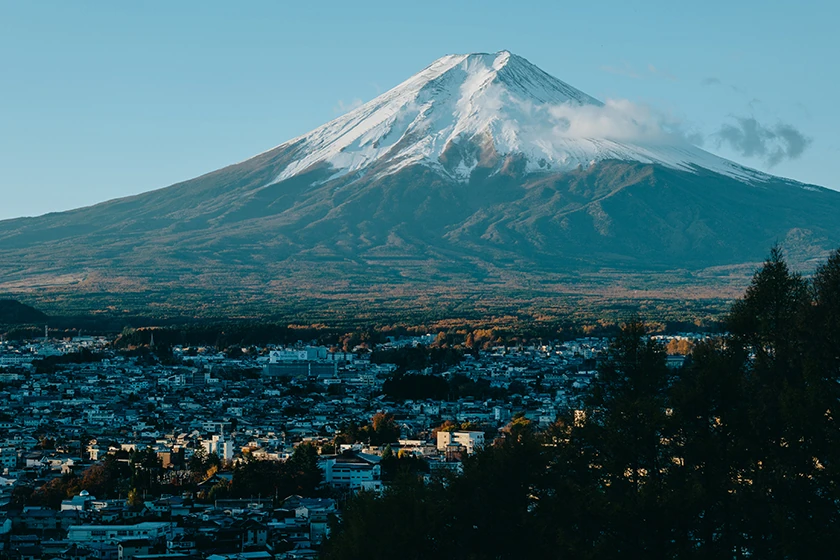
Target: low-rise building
column 353, row 471
column 470, row 440
column 147, row 530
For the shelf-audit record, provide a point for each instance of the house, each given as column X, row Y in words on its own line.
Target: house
column 319, row 528
column 181, row 543
column 254, row 533
column 131, row 548
column 40, row 519
column 306, row 507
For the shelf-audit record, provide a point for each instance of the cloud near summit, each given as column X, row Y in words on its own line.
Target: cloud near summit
column 619, row 120
column 622, row 120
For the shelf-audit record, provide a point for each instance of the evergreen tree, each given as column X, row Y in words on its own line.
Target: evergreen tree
column 302, row 467
column 627, row 424
column 783, row 508
column 494, row 499
column 709, row 452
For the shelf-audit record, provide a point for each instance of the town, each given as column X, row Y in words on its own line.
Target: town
column 192, row 452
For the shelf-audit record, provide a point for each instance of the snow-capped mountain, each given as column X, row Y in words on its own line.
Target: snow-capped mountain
column 505, row 106
column 479, row 177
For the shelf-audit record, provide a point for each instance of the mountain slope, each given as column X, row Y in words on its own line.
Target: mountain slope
column 474, row 172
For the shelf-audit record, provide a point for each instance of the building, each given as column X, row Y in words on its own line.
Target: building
column 101, row 533
column 310, row 353
column 8, row 458
column 172, row 457
column 82, row 502
column 352, row 471
column 471, row 441
column 309, row 362
column 279, row 356
column 219, row 446
column 287, row 369
column 304, row 508
column 131, row 548
column 16, row 359
column 301, row 369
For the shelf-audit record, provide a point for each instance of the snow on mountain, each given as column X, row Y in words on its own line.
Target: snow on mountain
column 500, row 103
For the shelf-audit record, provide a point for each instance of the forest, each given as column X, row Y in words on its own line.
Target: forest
column 736, row 455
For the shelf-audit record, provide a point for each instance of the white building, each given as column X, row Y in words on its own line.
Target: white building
column 219, row 446
column 103, row 533
column 276, row 356
column 353, row 471
column 472, row 441
column 82, row 502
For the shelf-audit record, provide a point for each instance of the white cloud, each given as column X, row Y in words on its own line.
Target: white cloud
column 619, row 120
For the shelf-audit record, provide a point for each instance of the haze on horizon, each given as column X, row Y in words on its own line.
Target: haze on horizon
column 107, row 102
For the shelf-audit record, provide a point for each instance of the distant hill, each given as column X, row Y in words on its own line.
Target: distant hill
column 13, row 312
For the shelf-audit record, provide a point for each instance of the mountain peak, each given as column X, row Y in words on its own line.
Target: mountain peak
column 497, row 60
column 478, row 70
column 496, row 104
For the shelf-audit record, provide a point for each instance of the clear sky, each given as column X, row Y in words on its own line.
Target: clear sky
column 104, row 99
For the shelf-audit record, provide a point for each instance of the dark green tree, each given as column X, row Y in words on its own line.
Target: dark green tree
column 628, row 434
column 303, row 470
column 710, row 450
column 783, row 500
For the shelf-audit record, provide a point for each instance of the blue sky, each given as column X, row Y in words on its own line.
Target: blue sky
column 104, row 99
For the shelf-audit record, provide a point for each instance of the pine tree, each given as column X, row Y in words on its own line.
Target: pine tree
column 628, row 412
column 781, row 500
column 709, row 422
